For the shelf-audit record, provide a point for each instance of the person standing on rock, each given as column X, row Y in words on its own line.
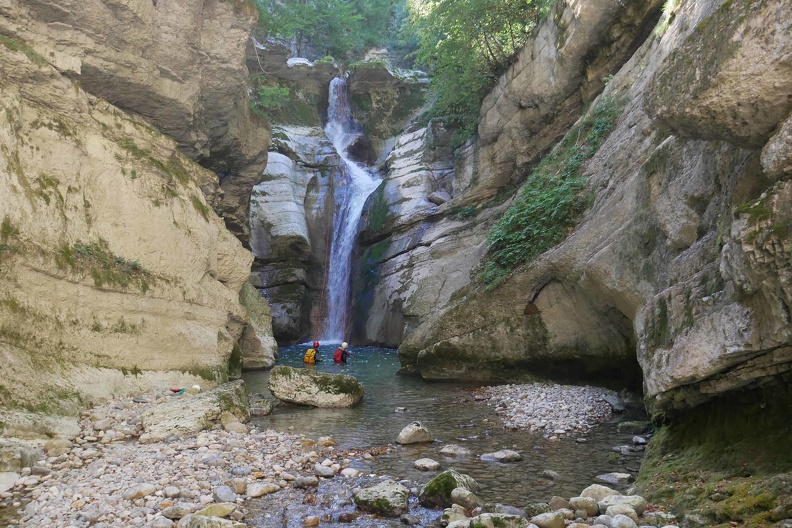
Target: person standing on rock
column 341, row 353
column 312, row 354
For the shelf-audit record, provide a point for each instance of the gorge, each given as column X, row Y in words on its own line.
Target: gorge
column 178, row 198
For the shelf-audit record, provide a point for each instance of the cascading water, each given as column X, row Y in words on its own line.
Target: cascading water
column 353, row 185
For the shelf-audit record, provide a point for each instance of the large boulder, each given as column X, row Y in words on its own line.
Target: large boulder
column 499, row 520
column 317, row 389
column 387, row 498
column 437, row 492
column 190, row 414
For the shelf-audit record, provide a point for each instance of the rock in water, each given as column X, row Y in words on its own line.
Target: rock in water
column 426, row 464
column 415, row 433
column 504, row 455
column 317, row 389
column 387, row 498
column 437, row 492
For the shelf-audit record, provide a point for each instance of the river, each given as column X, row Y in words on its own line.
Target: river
column 452, row 416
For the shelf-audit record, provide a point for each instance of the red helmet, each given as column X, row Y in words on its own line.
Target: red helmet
column 316, row 344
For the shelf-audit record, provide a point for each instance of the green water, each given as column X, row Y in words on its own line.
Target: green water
column 452, row 416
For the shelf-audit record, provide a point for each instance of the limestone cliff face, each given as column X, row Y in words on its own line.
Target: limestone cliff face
column 683, row 260
column 178, row 64
column 116, row 273
column 426, row 227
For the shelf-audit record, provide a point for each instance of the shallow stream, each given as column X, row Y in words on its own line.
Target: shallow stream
column 452, row 416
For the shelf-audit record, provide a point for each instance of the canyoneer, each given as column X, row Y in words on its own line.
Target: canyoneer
column 312, row 354
column 341, row 354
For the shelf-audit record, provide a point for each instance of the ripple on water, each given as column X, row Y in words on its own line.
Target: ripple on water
column 452, row 415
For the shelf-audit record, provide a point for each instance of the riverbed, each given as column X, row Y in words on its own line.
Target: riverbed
column 453, row 414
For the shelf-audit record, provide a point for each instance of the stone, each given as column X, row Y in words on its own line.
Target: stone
column 622, row 509
column 414, row 433
column 634, row 427
column 139, row 491
column 636, row 502
column 549, row 520
column 623, row 521
column 439, row 197
column 223, row 509
column 311, row 520
column 535, row 508
column 178, row 510
column 550, row 474
column 498, row 520
column 504, row 455
column 604, row 520
column 326, row 441
column 388, row 498
column 259, row 489
column 306, row 482
column 454, row 450
column 260, row 408
column 317, row 389
column 598, row 492
column 15, row 455
column 559, row 503
column 57, row 447
column 223, row 494
column 426, row 464
column 171, row 491
column 324, row 471
column 200, row 521
column 193, row 414
column 237, row 486
column 350, row 472
column 409, row 519
column 464, row 497
column 161, row 522
column 437, row 492
column 615, row 478
column 587, row 504
column 259, row 349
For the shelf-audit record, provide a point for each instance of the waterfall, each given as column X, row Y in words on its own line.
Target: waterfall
column 352, row 187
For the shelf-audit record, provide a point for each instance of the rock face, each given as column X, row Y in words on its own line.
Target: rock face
column 317, row 389
column 192, row 414
column 116, row 273
column 683, row 258
column 139, row 56
column 425, row 228
column 259, row 349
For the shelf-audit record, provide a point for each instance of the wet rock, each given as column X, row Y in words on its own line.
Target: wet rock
column 498, row 520
column 504, row 455
column 455, row 451
column 311, row 520
column 639, row 440
column 306, row 482
column 634, row 427
column 426, row 464
column 326, row 441
column 615, row 478
column 415, row 433
column 410, row 520
column 509, row 510
column 260, row 408
column 437, row 492
column 388, row 498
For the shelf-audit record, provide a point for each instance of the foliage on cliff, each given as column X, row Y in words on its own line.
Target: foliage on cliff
column 339, row 28
column 467, row 44
column 550, row 201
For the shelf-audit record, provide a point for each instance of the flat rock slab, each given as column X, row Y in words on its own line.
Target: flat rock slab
column 316, row 389
column 615, row 478
column 455, row 451
column 504, row 455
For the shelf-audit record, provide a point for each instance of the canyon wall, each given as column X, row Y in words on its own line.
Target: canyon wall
column 425, row 230
column 117, row 274
column 677, row 274
column 179, row 65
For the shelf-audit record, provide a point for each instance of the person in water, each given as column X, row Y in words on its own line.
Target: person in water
column 341, row 353
column 312, row 354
